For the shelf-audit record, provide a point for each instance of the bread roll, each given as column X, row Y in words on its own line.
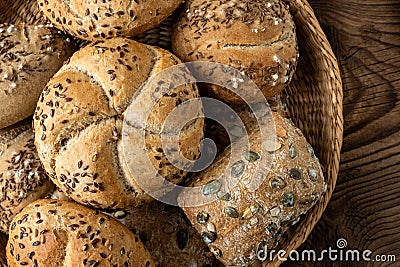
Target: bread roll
column 57, row 194
column 97, row 20
column 22, row 177
column 256, row 37
column 29, row 56
column 241, row 217
column 60, row 233
column 167, row 234
column 79, row 119
column 237, row 121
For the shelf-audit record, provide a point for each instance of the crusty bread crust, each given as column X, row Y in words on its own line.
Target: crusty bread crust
column 29, row 57
column 167, row 234
column 254, row 36
column 22, row 177
column 79, row 121
column 98, row 20
column 61, row 233
column 242, row 217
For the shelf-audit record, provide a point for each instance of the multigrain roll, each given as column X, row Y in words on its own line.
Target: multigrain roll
column 256, row 37
column 238, row 120
column 97, row 20
column 60, row 233
column 168, row 235
column 79, row 120
column 22, row 177
column 57, row 194
column 29, row 57
column 261, row 195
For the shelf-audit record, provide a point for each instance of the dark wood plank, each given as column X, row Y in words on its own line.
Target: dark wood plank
column 365, row 208
column 3, row 243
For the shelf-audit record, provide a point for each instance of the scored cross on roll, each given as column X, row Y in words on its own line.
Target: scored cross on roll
column 80, row 116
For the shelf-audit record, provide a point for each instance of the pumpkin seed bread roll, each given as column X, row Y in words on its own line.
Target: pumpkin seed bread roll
column 235, row 123
column 168, row 235
column 22, row 177
column 29, row 56
column 261, row 195
column 256, row 37
column 79, row 121
column 97, row 20
column 61, row 233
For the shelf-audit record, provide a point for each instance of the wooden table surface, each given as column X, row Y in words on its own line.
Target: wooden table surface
column 365, row 207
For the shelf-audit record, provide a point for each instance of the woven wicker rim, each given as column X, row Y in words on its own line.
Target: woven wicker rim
column 315, row 98
column 322, row 121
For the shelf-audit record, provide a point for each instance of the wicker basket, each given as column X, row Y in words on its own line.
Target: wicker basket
column 314, row 97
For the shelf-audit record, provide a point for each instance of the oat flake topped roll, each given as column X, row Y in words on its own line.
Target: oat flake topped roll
column 29, row 56
column 22, row 176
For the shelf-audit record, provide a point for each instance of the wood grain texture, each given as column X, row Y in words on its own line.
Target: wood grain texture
column 3, row 244
column 365, row 207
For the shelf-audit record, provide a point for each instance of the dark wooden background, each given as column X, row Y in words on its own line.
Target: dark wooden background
column 365, row 208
